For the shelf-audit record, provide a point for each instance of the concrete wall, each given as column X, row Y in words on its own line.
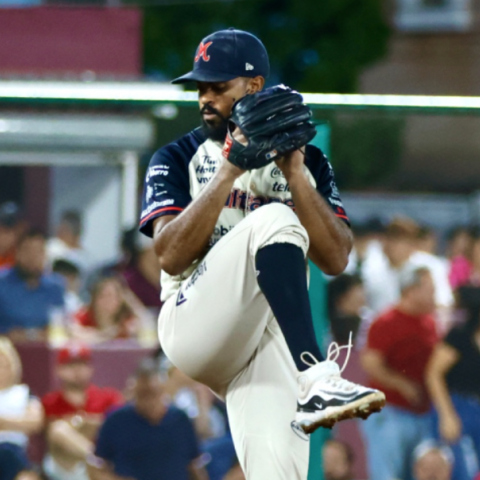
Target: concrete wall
column 96, row 193
column 441, row 152
column 74, row 40
column 425, row 63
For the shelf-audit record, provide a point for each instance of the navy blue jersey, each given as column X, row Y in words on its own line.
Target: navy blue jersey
column 168, row 182
column 178, row 172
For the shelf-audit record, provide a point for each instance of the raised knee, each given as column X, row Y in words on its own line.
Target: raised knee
column 277, row 223
column 275, row 211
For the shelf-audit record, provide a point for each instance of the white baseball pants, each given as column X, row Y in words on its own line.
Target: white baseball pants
column 220, row 330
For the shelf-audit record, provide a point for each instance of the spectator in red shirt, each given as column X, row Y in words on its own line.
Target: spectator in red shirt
column 74, row 414
column 399, row 346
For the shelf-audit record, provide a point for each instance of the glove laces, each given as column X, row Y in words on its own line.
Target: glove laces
column 333, row 353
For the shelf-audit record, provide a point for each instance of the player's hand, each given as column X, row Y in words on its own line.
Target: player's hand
column 450, row 427
column 410, row 391
column 238, row 135
column 230, row 171
column 291, row 164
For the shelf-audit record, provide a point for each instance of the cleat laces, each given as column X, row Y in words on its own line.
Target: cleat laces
column 333, row 353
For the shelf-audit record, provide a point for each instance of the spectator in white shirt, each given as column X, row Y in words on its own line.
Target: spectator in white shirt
column 366, row 236
column 20, row 416
column 399, row 249
column 66, row 244
column 71, row 276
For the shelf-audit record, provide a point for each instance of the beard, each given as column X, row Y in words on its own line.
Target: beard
column 215, row 130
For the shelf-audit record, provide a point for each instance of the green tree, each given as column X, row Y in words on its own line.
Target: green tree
column 314, row 45
column 366, row 151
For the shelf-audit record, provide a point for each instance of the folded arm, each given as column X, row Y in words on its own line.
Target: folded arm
column 330, row 238
column 29, row 423
column 181, row 239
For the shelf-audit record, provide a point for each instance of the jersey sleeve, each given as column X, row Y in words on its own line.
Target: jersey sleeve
column 322, row 172
column 166, row 189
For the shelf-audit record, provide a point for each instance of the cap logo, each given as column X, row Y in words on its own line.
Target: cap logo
column 249, row 66
column 202, row 52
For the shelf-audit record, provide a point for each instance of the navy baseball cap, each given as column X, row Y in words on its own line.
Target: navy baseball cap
column 228, row 54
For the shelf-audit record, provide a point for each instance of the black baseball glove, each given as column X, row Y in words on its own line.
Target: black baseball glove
column 275, row 122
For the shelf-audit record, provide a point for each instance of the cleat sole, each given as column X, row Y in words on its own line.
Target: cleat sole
column 362, row 408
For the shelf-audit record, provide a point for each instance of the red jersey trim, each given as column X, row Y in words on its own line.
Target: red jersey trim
column 342, row 216
column 150, row 215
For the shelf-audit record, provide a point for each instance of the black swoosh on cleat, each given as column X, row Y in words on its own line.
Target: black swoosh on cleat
column 317, row 401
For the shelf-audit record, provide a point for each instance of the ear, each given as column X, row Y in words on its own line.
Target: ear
column 255, row 84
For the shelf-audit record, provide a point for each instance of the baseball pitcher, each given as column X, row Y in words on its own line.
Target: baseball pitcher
column 235, row 207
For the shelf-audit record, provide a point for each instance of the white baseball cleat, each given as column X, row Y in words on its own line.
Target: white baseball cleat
column 326, row 398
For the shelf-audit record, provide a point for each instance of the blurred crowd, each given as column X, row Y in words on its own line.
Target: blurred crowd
column 160, row 425
column 413, row 306
column 50, row 288
column 409, row 298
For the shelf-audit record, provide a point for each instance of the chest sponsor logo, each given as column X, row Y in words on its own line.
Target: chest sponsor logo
column 157, row 170
column 239, row 199
column 281, row 187
column 257, row 202
column 221, row 230
column 236, row 199
column 276, row 173
column 206, row 169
